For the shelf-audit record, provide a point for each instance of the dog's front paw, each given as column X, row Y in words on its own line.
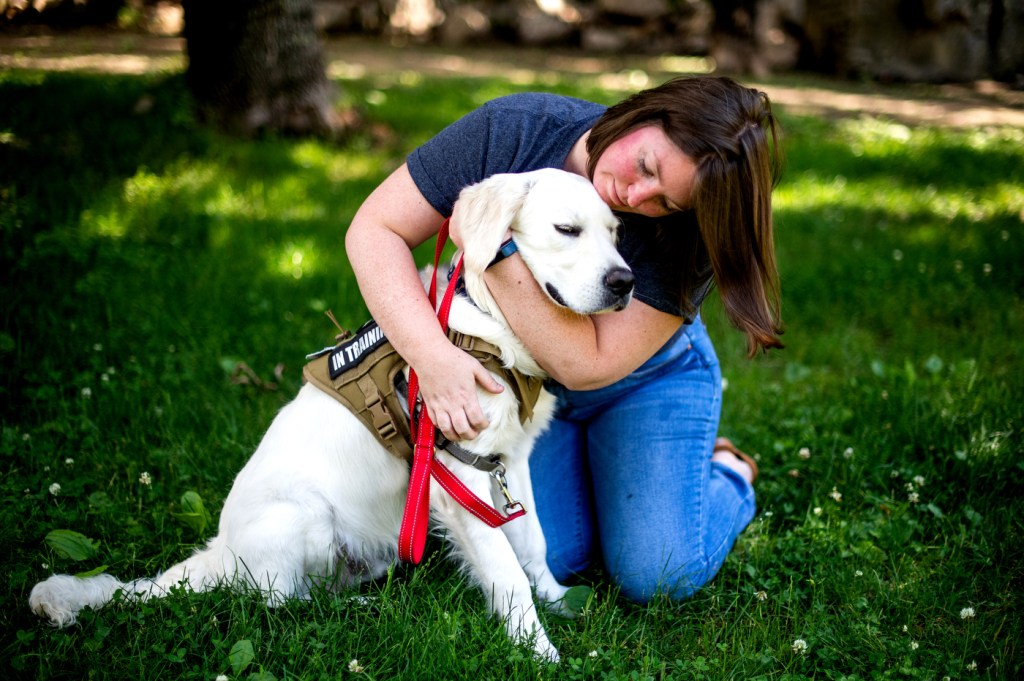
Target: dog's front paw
column 544, row 650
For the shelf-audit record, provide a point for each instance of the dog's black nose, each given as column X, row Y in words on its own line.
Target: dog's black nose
column 619, row 281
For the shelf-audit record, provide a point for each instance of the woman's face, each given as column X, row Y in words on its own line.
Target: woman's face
column 644, row 172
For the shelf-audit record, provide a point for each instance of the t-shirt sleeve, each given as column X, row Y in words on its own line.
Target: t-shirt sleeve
column 454, row 158
column 513, row 134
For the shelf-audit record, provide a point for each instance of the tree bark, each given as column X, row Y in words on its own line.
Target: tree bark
column 258, row 65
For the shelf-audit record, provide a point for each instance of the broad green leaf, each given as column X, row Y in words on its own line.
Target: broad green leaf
column 92, row 573
column 193, row 512
column 241, row 656
column 71, row 544
column 577, row 598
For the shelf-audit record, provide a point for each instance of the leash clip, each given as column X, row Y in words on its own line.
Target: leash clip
column 499, row 475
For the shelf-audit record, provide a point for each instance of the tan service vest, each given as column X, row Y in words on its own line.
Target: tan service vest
column 360, row 373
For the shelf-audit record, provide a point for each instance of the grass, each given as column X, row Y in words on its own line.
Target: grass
column 145, row 259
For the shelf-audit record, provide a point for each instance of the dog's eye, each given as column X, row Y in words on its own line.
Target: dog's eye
column 569, row 230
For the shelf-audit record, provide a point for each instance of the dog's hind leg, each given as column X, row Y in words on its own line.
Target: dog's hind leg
column 61, row 597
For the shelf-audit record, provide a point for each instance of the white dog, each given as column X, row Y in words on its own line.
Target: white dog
column 321, row 500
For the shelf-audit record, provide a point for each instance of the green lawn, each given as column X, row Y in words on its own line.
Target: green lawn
column 145, row 259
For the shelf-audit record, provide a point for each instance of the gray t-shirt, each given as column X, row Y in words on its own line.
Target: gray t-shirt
column 524, row 132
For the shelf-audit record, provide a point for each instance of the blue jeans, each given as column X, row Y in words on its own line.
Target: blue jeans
column 625, row 474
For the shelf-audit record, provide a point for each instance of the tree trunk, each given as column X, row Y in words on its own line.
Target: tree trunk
column 258, row 65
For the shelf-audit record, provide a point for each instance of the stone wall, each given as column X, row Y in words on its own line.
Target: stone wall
column 899, row 40
column 907, row 40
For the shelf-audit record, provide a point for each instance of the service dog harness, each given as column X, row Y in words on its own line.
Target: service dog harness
column 365, row 373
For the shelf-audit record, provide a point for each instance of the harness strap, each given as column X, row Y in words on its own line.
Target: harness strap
column 487, row 464
column 526, row 388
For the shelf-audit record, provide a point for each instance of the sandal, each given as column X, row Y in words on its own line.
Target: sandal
column 724, row 443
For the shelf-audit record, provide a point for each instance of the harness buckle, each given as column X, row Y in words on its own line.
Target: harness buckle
column 499, row 476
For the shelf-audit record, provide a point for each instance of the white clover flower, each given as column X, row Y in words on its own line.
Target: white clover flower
column 967, row 613
column 97, row 347
column 858, row 573
column 86, row 392
column 768, row 514
column 817, row 510
column 987, row 268
column 914, row 645
column 725, row 384
column 836, row 494
column 804, row 453
column 104, row 378
column 592, row 653
column 46, row 566
column 897, row 255
column 55, row 489
column 919, row 480
column 221, row 677
column 354, row 666
column 26, row 437
column 762, row 596
column 145, row 478
column 905, row 628
column 848, row 453
column 800, row 646
column 69, row 461
column 972, row 666
column 913, row 497
column 909, row 487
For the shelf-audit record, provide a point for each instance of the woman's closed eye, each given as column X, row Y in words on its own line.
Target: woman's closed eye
column 644, row 168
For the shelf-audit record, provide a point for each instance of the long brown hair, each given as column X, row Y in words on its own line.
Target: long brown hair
column 730, row 133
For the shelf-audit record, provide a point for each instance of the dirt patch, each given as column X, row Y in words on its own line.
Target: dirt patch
column 978, row 104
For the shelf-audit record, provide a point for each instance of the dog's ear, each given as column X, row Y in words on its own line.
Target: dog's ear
column 486, row 211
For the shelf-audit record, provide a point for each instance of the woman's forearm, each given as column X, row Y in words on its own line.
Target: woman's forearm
column 580, row 352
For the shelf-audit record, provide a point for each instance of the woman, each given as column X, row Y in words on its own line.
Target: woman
column 631, row 469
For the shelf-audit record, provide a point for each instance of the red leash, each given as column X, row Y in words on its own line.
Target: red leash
column 413, row 535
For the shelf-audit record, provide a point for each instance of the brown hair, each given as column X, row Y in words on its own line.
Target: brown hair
column 730, row 133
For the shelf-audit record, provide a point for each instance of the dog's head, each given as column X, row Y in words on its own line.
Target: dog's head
column 565, row 233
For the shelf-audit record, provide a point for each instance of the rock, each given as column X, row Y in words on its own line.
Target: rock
column 639, row 9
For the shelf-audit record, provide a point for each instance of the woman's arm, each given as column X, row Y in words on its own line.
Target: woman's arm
column 580, row 352
column 394, row 219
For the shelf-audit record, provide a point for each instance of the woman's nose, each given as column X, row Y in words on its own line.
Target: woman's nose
column 639, row 193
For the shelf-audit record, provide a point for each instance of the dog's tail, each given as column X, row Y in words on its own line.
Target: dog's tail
column 61, row 597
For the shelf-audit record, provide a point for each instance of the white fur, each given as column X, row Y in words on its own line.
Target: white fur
column 320, row 501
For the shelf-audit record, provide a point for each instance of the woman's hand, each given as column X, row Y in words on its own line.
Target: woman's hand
column 448, row 386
